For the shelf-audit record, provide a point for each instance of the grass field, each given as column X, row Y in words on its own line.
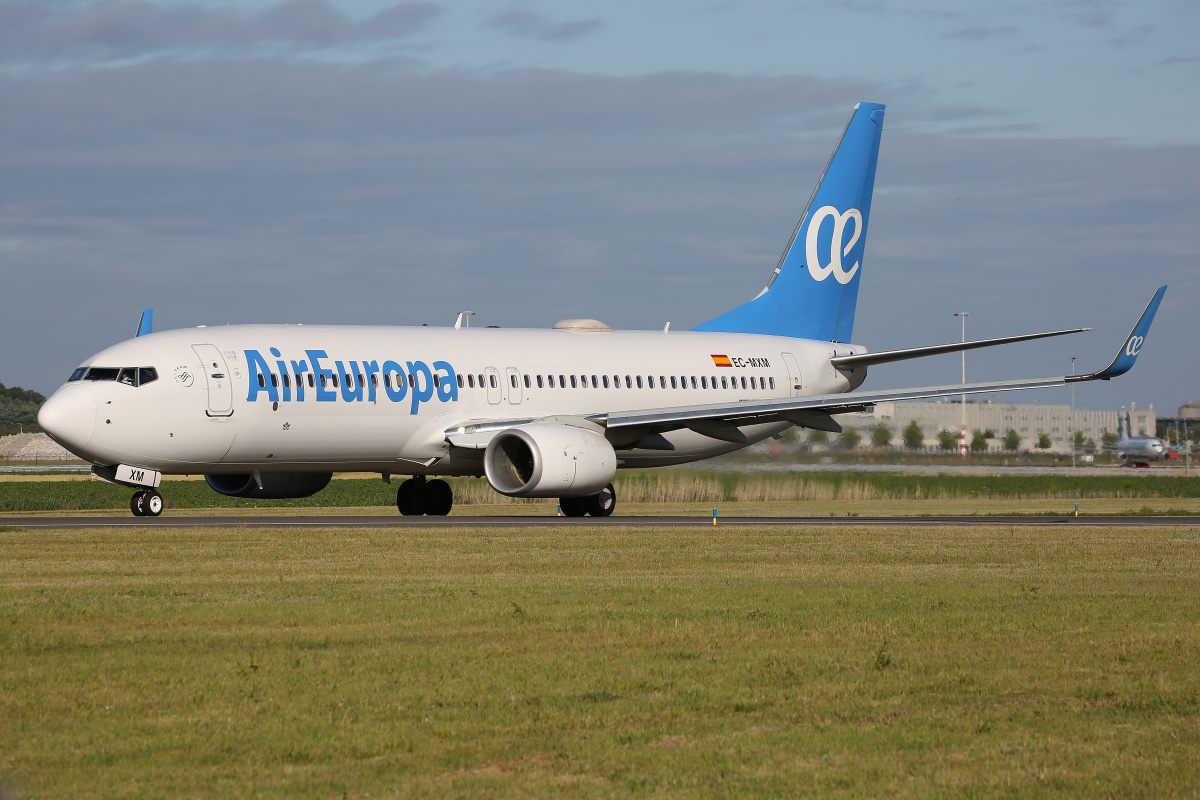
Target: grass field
column 705, row 662
column 841, row 493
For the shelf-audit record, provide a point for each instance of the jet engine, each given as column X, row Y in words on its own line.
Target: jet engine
column 275, row 486
column 549, row 460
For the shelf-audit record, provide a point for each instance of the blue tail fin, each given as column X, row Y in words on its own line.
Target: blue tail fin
column 814, row 289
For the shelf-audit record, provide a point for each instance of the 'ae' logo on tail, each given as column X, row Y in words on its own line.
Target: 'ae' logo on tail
column 836, row 247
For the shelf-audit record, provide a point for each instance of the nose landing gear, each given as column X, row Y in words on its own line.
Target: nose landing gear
column 146, row 503
column 418, row 496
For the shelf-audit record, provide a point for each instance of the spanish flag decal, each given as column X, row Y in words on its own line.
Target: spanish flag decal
column 722, row 361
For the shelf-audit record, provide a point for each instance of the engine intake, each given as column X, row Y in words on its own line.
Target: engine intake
column 549, row 460
column 275, row 486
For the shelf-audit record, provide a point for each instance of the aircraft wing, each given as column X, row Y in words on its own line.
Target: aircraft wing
column 724, row 421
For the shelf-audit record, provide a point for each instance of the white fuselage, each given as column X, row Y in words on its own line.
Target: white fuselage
column 379, row 409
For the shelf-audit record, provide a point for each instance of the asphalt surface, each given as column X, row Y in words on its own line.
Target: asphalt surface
column 180, row 521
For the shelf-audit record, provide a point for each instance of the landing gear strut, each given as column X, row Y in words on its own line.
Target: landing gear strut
column 600, row 504
column 418, row 496
column 146, row 503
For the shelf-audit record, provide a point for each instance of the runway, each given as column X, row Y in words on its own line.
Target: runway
column 180, row 521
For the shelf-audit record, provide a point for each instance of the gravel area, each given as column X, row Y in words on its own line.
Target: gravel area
column 32, row 446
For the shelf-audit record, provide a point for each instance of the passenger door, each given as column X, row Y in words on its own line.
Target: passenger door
column 220, row 385
column 796, row 384
column 495, row 393
column 514, row 385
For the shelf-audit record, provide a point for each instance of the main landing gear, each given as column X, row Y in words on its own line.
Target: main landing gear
column 598, row 505
column 146, row 503
column 418, row 496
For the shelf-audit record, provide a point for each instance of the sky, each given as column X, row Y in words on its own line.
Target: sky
column 371, row 162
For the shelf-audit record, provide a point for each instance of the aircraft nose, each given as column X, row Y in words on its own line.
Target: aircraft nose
column 69, row 416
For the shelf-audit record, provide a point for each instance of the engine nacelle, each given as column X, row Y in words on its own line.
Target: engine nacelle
column 549, row 460
column 275, row 486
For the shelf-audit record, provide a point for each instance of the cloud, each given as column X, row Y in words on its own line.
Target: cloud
column 263, row 190
column 980, row 34
column 1177, row 60
column 530, row 25
column 1089, row 13
column 53, row 30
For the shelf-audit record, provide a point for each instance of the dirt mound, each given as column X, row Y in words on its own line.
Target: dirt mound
column 32, row 447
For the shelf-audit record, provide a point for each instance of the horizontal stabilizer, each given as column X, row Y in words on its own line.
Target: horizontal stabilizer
column 888, row 356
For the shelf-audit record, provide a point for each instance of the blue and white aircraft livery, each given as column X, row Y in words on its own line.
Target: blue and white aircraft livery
column 272, row 411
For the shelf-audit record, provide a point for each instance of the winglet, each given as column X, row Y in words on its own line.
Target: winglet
column 146, row 323
column 1133, row 344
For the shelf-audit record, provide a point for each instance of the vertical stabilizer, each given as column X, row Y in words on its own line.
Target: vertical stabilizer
column 814, row 290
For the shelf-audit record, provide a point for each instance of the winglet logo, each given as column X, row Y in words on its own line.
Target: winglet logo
column 1135, row 345
column 837, row 250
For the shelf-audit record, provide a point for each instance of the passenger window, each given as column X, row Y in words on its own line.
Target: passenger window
column 562, row 382
column 713, row 382
column 595, row 383
column 147, row 375
column 387, row 380
column 324, row 380
column 77, row 375
column 703, row 382
column 471, row 381
column 662, row 382
column 528, row 385
column 693, row 381
column 753, row 383
column 605, row 378
column 437, row 381
column 673, row 386
column 274, row 381
column 262, row 382
column 743, row 383
column 287, row 382
column 492, row 381
column 481, row 381
column 628, row 382
column 335, row 381
column 772, row 383
column 512, row 379
column 361, row 380
column 639, row 381
column 412, row 380
column 541, row 382
column 460, row 381
column 128, row 376
column 573, row 384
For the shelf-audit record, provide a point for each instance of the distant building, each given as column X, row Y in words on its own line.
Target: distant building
column 1141, row 423
column 1190, row 410
column 1028, row 420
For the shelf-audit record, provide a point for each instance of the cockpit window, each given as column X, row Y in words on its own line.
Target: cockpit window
column 130, row 376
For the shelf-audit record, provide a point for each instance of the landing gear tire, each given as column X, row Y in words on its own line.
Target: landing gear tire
column 573, row 506
column 410, row 497
column 602, row 503
column 135, row 504
column 152, row 503
column 439, row 498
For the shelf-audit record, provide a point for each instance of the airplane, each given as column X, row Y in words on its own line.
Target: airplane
column 272, row 411
column 1139, row 448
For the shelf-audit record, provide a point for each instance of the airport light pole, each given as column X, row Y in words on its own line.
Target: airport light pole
column 1071, row 427
column 962, row 441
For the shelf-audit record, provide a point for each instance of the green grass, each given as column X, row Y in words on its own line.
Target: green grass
column 640, row 486
column 703, row 662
